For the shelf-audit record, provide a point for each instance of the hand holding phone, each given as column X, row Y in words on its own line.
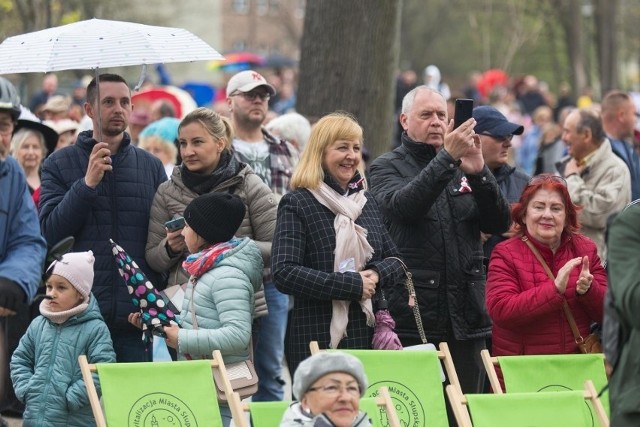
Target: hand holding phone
column 463, row 111
column 175, row 224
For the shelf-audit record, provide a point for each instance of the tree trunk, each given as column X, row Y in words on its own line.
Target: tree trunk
column 349, row 55
column 606, row 23
column 571, row 21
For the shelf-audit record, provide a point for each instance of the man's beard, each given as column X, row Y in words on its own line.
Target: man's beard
column 249, row 122
column 113, row 130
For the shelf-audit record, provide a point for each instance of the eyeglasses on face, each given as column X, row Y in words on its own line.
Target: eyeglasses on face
column 337, row 389
column 251, row 96
column 544, row 177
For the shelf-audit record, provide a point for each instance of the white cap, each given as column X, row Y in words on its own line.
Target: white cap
column 246, row 81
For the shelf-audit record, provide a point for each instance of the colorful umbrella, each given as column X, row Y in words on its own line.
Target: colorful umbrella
column 182, row 102
column 237, row 61
column 155, row 311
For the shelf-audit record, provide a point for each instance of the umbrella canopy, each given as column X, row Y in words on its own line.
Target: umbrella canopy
column 180, row 99
column 155, row 311
column 99, row 43
column 238, row 61
column 278, row 60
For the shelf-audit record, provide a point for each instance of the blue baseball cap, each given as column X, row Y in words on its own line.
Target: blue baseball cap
column 490, row 121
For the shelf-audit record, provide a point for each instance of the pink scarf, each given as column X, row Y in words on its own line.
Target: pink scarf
column 351, row 242
column 199, row 263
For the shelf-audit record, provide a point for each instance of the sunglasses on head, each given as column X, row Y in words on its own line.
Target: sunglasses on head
column 545, row 177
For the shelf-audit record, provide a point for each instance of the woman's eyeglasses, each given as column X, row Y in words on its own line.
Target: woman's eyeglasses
column 335, row 389
column 544, row 177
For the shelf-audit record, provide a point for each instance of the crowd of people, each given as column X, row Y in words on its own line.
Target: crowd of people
column 285, row 236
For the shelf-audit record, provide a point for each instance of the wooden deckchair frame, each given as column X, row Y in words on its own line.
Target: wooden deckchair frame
column 460, row 409
column 234, row 402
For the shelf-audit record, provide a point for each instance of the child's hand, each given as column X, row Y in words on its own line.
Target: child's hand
column 135, row 320
column 172, row 335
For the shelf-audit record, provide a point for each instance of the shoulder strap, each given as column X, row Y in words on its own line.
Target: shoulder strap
column 413, row 300
column 565, row 306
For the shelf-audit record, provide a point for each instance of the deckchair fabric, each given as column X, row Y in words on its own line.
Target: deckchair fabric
column 267, row 414
column 414, row 382
column 558, row 372
column 141, row 394
column 377, row 414
column 562, row 409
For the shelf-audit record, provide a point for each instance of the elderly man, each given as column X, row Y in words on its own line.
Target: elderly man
column 597, row 179
column 437, row 195
column 619, row 122
column 101, row 188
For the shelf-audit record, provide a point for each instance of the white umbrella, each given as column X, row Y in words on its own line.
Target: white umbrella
column 99, row 43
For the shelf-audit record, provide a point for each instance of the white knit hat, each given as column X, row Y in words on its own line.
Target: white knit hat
column 77, row 268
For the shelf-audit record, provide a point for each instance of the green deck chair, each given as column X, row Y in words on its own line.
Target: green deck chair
column 560, row 409
column 555, row 372
column 414, row 382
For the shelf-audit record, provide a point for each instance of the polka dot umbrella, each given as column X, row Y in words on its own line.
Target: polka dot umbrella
column 155, row 311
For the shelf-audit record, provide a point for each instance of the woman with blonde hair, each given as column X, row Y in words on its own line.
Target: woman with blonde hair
column 30, row 144
column 330, row 249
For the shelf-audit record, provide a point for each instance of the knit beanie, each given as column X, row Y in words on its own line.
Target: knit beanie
column 77, row 268
column 165, row 128
column 320, row 364
column 215, row 216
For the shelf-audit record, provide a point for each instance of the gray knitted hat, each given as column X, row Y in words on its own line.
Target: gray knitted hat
column 325, row 362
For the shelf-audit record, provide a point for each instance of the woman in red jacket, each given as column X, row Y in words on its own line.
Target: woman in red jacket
column 524, row 303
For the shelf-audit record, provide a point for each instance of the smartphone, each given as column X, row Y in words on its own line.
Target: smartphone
column 175, row 224
column 463, row 112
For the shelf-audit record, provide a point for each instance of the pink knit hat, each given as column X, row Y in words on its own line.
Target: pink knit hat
column 77, row 268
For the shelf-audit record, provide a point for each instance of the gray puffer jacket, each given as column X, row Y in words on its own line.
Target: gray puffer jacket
column 259, row 222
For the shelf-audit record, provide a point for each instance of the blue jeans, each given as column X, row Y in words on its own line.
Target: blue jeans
column 269, row 346
column 225, row 414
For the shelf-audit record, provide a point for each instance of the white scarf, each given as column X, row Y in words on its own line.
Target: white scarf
column 351, row 242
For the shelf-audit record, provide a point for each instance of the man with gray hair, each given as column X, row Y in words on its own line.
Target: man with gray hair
column 437, row 195
column 597, row 179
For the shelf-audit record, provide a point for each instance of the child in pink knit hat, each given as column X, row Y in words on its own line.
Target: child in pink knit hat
column 44, row 368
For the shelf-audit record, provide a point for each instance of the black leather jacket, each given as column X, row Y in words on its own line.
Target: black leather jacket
column 436, row 222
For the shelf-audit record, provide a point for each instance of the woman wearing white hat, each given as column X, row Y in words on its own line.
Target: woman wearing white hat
column 329, row 386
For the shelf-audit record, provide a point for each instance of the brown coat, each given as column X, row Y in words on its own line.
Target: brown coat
column 259, row 223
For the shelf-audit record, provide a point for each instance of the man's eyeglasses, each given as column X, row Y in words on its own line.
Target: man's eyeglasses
column 335, row 390
column 251, row 96
column 544, row 177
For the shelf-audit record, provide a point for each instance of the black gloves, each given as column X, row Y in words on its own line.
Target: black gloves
column 11, row 294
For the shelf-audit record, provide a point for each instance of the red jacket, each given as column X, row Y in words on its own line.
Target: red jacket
column 526, row 307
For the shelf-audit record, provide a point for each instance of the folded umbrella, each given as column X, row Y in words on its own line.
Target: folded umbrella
column 384, row 335
column 156, row 312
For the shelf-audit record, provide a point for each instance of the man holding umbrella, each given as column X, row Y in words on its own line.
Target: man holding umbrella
column 101, row 188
